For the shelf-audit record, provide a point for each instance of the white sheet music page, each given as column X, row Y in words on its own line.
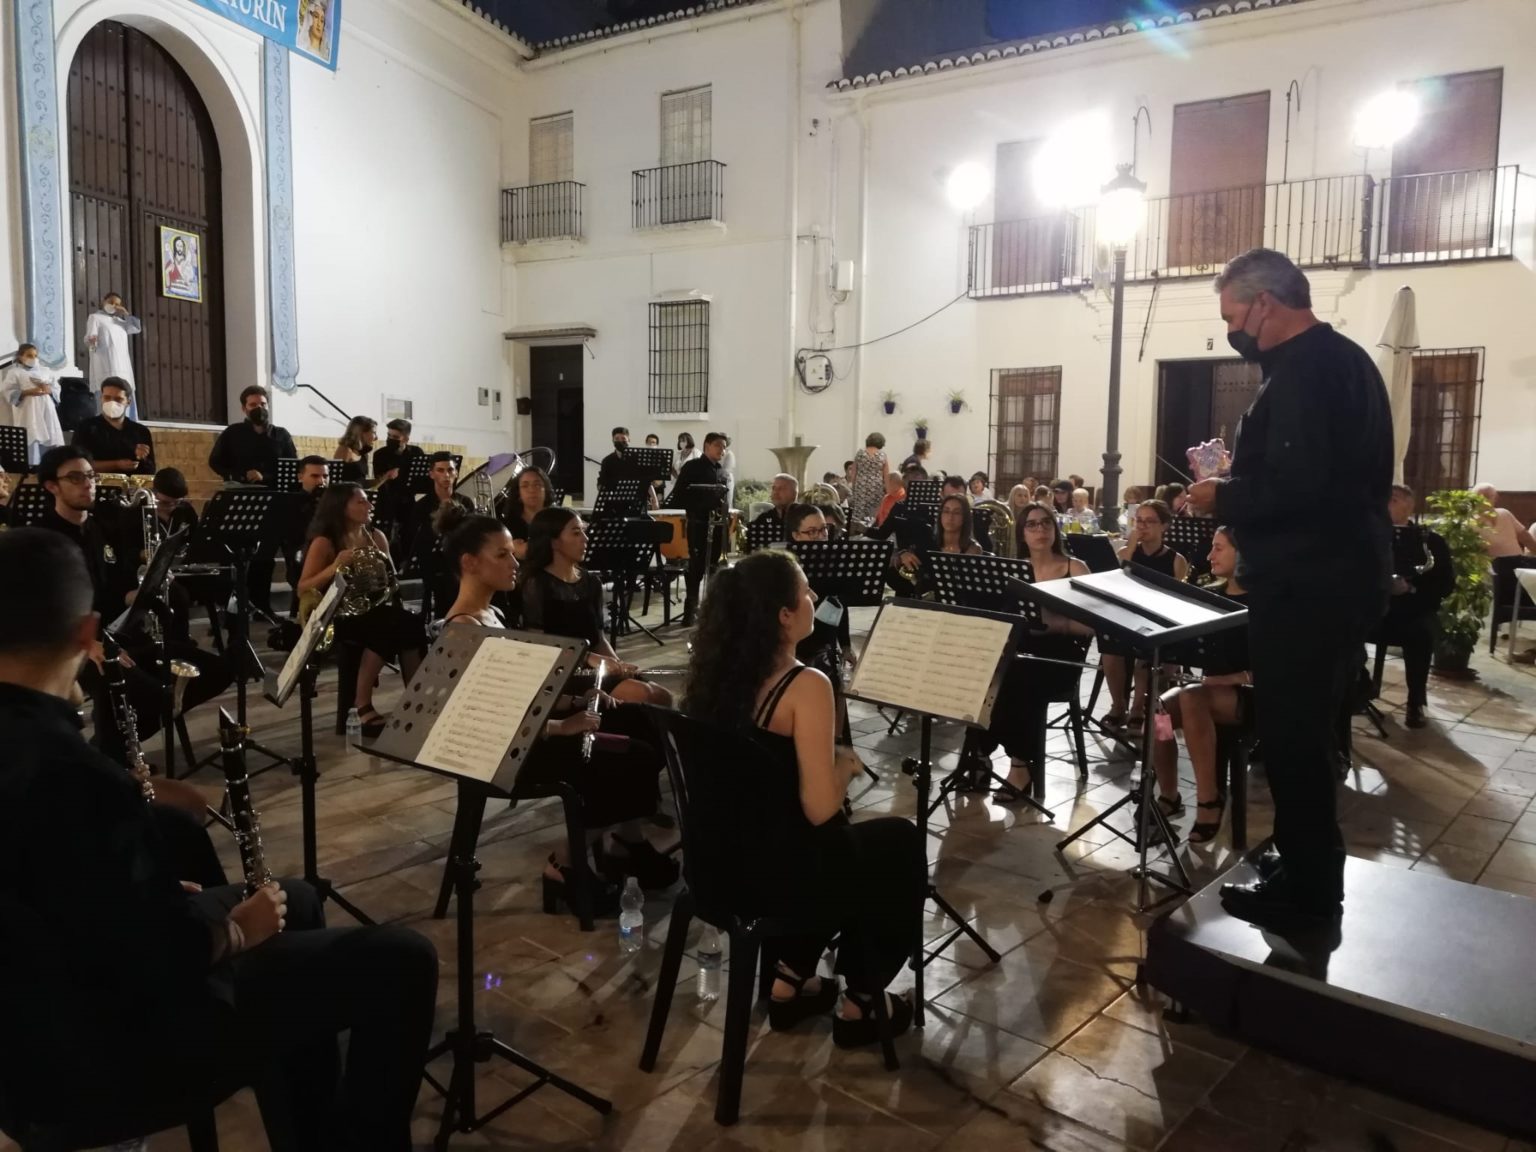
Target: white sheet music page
column 487, row 706
column 305, row 648
column 940, row 663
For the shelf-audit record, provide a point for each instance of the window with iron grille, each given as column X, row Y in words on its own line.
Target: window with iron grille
column 1447, row 410
column 1026, row 424
column 679, row 371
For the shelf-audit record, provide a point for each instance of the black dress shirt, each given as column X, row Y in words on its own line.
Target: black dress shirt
column 240, row 448
column 701, row 470
column 104, row 442
column 113, row 568
column 387, row 458
column 616, row 466
column 773, row 514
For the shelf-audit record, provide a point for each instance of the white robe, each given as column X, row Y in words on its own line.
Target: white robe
column 39, row 415
column 106, row 336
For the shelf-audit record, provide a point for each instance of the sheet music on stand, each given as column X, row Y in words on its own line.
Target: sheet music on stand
column 13, row 449
column 478, row 703
column 935, row 660
column 287, row 478
column 29, row 504
column 156, row 573
column 983, row 582
column 852, row 570
column 1096, row 550
column 280, row 687
column 418, row 476
column 626, row 497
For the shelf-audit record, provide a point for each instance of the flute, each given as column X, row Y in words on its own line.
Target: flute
column 590, row 738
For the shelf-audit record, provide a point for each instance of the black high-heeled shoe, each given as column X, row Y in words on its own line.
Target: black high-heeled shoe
column 372, row 729
column 605, row 897
column 785, row 1014
column 1204, row 831
column 858, row 1033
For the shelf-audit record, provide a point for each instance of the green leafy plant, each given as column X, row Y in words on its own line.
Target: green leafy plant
column 956, row 400
column 888, row 401
column 920, row 426
column 1458, row 517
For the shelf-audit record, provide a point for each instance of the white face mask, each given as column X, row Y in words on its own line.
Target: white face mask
column 113, row 409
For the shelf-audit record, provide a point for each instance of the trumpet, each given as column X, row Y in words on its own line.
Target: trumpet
column 588, row 739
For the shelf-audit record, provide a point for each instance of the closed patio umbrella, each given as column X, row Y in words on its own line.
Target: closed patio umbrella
column 1394, row 358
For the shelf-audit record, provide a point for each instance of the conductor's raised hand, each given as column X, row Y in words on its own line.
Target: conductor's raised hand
column 1201, row 496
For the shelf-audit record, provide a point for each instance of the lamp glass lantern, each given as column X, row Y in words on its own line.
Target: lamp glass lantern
column 1121, row 203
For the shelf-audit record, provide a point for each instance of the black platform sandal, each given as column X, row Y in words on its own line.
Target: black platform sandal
column 866, row 1029
column 1204, row 831
column 372, row 729
column 785, row 1014
column 1171, row 805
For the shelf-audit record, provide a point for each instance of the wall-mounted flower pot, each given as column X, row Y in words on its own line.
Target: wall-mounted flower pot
column 922, row 431
column 525, row 405
column 956, row 405
column 890, row 407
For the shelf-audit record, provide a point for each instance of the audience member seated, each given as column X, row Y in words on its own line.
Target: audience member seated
column 1019, row 714
column 1505, row 535
column 338, row 538
column 840, row 484
column 1061, row 496
column 866, row 880
column 981, row 487
column 1081, row 518
column 618, row 786
column 532, row 493
column 1076, row 481
column 1412, row 613
column 1196, row 709
column 784, row 491
column 115, row 442
column 1018, row 496
column 1144, row 547
column 869, row 482
column 354, row 446
column 1044, row 495
column 562, row 598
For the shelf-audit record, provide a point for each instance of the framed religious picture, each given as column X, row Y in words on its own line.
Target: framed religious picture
column 317, row 30
column 181, row 264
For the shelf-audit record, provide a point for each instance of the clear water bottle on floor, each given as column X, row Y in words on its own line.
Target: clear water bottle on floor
column 631, row 917
column 354, row 728
column 710, row 948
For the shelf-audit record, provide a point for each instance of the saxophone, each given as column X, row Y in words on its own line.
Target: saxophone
column 253, row 859
column 123, row 713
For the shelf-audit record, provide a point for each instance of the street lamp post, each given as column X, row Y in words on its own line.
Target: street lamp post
column 1119, row 216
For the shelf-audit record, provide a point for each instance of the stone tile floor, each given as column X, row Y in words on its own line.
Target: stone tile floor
column 1052, row 1048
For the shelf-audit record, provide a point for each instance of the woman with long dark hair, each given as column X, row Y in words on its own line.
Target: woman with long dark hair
column 338, row 536
column 562, row 598
column 531, row 494
column 866, row 879
column 954, row 532
column 354, row 446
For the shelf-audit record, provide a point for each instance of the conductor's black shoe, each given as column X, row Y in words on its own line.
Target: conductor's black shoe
column 1267, row 864
column 1415, row 716
column 1271, row 903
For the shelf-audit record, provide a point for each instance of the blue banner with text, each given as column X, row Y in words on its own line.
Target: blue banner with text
column 309, row 27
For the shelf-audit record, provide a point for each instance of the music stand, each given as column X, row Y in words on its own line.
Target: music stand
column 472, row 713
column 418, row 475
column 30, row 503
column 1150, row 612
column 13, row 449
column 764, row 532
column 944, row 662
column 925, row 493
column 650, row 464
column 1095, row 550
column 1190, row 537
column 236, row 518
column 288, row 473
column 613, row 548
column 624, row 497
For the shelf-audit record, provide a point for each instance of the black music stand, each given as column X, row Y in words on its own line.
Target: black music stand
column 236, row 518
column 287, row 479
column 1190, row 537
column 1150, row 612
column 984, row 582
column 973, row 643
column 442, row 694
column 621, row 498
column 13, row 449
column 30, row 503
column 1095, row 550
column 299, row 672
column 925, row 493
column 418, row 476
column 650, row 464
column 612, row 548
column 764, row 532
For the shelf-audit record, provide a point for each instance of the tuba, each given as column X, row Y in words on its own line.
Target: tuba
column 1005, row 540
column 371, row 581
column 484, row 496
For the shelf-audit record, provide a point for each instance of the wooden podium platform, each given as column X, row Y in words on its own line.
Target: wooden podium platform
column 1427, row 988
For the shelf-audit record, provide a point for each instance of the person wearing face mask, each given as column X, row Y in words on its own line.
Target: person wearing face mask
column 614, row 466
column 248, row 452
column 1319, row 435
column 117, row 442
column 106, row 341
column 33, row 395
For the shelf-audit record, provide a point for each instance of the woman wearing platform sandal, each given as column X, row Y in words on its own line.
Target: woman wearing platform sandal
column 866, row 879
column 1198, row 708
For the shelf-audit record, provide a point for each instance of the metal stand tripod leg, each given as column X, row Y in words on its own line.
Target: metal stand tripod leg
column 308, row 772
column 952, row 783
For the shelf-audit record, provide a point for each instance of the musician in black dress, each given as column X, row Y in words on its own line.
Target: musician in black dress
column 706, row 540
column 1143, row 547
column 532, row 493
column 1196, row 709
column 131, row 1002
column 354, row 447
column 866, row 879
column 1424, row 575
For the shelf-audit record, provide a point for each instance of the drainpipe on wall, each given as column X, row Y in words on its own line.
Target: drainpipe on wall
column 792, row 225
column 863, row 286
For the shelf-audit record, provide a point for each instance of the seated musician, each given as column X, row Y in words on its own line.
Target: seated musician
column 532, row 493
column 133, row 1001
column 341, row 538
column 1029, row 686
column 981, row 526
column 172, row 508
column 1144, row 547
column 954, row 533
column 295, row 512
column 562, row 598
column 424, row 552
column 784, row 491
column 362, row 432
column 1197, row 709
column 618, row 786
column 866, row 879
column 1424, row 576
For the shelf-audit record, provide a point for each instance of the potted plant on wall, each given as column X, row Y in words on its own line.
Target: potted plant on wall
column 1458, row 517
column 956, row 401
column 920, row 427
column 888, row 399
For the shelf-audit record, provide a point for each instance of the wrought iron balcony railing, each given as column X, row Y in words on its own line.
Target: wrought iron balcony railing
column 679, row 194
column 1437, row 217
column 541, row 212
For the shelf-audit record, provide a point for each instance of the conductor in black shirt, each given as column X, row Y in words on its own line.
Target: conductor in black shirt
column 1307, row 499
column 116, row 443
column 248, row 452
column 703, row 545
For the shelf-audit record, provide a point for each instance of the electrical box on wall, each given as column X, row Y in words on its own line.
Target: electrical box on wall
column 496, row 404
column 842, row 277
column 483, row 396
column 818, row 371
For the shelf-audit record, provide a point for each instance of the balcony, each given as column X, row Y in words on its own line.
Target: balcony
column 1328, row 222
column 538, row 212
column 679, row 194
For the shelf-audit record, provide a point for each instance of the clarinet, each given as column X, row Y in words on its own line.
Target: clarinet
column 253, row 860
column 123, row 713
column 588, row 739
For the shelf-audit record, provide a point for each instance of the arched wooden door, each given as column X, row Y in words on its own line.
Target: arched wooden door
column 143, row 171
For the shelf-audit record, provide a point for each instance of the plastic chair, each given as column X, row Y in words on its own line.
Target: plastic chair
column 1510, row 603
column 721, row 781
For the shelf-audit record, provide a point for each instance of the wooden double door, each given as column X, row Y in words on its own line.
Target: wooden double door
column 143, row 171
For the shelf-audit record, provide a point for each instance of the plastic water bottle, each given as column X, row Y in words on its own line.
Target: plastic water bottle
column 709, row 965
column 354, row 728
column 631, row 917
